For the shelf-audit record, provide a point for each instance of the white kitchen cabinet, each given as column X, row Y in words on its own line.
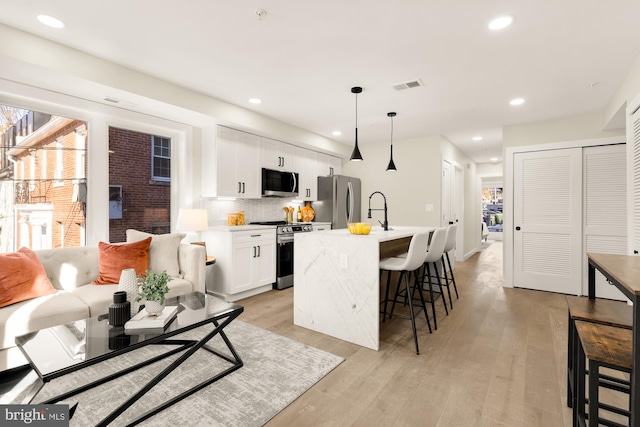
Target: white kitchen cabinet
column 329, row 165
column 307, row 162
column 278, row 155
column 230, row 164
column 245, row 261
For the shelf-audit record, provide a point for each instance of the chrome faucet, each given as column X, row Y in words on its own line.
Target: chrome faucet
column 384, row 225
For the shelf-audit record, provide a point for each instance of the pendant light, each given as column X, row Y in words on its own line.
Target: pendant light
column 356, row 156
column 392, row 165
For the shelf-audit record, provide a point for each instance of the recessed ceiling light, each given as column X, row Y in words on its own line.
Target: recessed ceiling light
column 477, row 138
column 501, row 22
column 336, row 133
column 494, row 159
column 517, row 101
column 50, row 21
column 255, row 101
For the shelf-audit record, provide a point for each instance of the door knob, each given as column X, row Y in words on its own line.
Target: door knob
column 518, row 228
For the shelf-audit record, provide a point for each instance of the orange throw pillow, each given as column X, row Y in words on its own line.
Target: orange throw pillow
column 112, row 259
column 22, row 277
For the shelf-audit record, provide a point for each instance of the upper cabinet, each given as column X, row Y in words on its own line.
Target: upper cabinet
column 236, row 156
column 307, row 162
column 232, row 163
column 278, row 155
column 329, row 165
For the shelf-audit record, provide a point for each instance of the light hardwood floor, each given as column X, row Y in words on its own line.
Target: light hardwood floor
column 498, row 359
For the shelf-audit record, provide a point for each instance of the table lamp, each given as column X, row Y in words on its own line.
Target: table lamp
column 192, row 221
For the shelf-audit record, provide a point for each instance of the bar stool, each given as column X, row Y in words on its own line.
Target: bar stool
column 449, row 245
column 599, row 311
column 434, row 254
column 408, row 266
column 602, row 346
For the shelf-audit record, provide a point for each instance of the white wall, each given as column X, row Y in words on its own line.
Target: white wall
column 489, row 169
column 629, row 88
column 588, row 126
column 416, row 183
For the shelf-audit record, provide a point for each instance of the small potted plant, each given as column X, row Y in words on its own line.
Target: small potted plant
column 153, row 288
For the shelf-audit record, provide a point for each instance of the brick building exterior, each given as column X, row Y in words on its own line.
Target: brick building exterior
column 48, row 184
column 146, row 199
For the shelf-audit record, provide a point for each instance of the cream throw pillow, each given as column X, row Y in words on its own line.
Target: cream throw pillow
column 163, row 252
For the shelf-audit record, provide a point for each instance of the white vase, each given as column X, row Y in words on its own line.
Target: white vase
column 129, row 284
column 153, row 307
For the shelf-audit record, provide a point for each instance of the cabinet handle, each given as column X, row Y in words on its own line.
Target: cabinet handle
column 258, row 251
column 256, row 235
column 283, row 162
column 239, row 187
column 330, row 171
column 243, row 188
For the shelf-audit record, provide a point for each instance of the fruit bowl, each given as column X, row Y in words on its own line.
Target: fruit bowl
column 359, row 227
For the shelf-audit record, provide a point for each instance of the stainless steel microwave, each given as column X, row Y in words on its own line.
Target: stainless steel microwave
column 279, row 184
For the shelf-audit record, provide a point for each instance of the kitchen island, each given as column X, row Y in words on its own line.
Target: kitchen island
column 336, row 280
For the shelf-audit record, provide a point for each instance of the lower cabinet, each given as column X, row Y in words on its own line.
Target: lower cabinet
column 245, row 262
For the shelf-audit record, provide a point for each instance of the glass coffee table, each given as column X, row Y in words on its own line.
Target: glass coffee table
column 62, row 349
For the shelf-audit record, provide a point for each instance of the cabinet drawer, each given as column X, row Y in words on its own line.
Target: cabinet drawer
column 254, row 236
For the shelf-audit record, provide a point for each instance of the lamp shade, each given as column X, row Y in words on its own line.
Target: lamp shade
column 192, row 220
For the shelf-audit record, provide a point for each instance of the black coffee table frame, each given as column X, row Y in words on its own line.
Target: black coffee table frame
column 219, row 322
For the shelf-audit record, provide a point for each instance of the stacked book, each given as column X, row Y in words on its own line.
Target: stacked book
column 144, row 320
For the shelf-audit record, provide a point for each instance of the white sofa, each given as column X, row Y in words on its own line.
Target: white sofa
column 71, row 271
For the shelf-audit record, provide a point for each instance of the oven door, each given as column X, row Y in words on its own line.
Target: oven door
column 284, row 267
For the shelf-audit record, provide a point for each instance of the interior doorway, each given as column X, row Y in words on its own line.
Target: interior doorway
column 453, row 202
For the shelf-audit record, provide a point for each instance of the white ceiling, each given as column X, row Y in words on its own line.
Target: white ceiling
column 303, row 58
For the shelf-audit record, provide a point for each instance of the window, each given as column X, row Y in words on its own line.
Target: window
column 161, row 161
column 37, row 209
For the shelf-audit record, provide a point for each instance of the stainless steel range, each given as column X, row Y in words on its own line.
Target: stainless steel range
column 284, row 252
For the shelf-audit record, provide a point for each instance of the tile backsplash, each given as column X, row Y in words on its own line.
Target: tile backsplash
column 266, row 209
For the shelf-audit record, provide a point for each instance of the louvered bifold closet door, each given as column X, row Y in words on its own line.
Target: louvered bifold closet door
column 548, row 220
column 635, row 118
column 605, row 210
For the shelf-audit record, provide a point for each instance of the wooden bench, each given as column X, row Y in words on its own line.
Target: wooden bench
column 602, row 346
column 599, row 311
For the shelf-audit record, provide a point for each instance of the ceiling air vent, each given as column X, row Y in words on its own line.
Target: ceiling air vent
column 408, row 85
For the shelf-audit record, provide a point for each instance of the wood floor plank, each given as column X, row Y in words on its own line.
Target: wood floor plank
column 497, row 359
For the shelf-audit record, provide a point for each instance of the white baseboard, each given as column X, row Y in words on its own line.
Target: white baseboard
column 470, row 254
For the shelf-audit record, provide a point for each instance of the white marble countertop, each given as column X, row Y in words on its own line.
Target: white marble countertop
column 377, row 233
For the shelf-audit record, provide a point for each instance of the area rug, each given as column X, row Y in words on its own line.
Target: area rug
column 276, row 371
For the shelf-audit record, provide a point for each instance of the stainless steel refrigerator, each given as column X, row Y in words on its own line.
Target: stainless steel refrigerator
column 338, row 200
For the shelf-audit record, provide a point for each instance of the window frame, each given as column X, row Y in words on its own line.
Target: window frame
column 154, row 177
